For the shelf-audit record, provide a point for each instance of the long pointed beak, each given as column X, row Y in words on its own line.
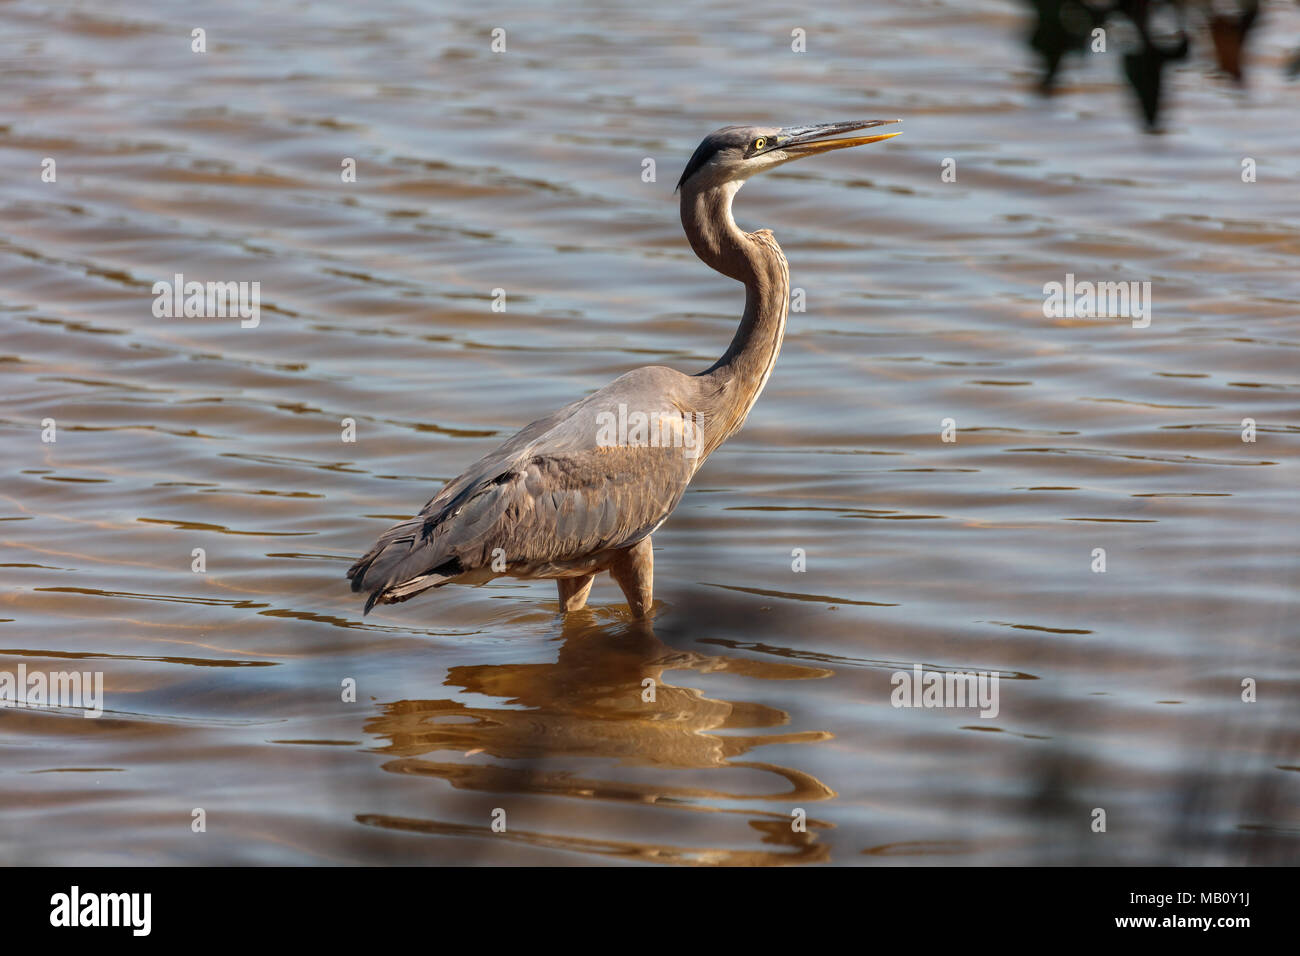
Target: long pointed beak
column 800, row 141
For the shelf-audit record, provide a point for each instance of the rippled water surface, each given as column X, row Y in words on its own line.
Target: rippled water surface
column 476, row 171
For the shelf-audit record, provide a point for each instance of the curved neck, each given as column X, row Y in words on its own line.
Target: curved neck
column 756, row 260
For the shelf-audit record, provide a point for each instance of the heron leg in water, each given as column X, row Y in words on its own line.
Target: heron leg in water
column 573, row 592
column 634, row 570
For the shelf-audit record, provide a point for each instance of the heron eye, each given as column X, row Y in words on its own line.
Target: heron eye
column 760, row 143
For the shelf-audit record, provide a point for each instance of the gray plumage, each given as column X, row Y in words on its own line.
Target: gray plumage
column 560, row 499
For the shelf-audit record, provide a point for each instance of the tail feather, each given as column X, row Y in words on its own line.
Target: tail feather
column 376, row 568
column 426, row 551
column 396, row 590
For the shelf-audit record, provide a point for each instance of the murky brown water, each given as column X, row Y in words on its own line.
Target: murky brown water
column 522, row 171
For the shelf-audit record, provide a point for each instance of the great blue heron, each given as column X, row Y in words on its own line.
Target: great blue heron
column 581, row 490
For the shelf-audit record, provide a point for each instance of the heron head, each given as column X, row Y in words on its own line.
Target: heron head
column 734, row 153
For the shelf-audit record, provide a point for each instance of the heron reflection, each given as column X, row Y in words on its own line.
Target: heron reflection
column 583, row 726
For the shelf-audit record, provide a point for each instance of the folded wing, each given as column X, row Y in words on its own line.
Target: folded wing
column 563, row 489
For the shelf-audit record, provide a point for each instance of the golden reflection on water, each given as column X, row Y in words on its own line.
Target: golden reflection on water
column 606, row 697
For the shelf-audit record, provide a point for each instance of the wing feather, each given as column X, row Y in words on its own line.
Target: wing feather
column 552, row 495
